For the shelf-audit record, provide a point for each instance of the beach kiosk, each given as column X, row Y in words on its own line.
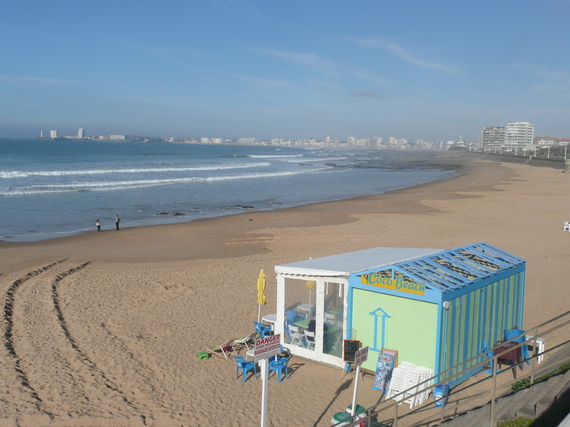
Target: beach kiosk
column 436, row 308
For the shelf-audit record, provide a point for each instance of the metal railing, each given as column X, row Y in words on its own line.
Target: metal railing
column 478, row 390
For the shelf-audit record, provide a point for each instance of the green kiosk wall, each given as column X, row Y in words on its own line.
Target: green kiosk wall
column 407, row 325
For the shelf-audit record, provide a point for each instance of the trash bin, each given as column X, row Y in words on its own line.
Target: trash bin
column 359, row 414
column 439, row 393
column 359, row 409
column 343, row 418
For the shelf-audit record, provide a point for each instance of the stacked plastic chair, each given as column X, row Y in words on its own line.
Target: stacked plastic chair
column 410, row 377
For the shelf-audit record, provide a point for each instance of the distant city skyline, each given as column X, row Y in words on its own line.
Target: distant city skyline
column 513, row 137
column 292, row 70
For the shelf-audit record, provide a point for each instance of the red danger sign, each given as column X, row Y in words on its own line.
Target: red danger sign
column 267, row 347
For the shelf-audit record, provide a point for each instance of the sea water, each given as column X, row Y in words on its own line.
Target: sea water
column 51, row 188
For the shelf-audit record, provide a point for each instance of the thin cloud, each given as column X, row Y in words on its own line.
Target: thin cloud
column 369, row 94
column 170, row 51
column 41, row 80
column 323, row 83
column 545, row 73
column 401, row 53
column 550, row 83
column 366, row 76
column 262, row 82
column 307, row 60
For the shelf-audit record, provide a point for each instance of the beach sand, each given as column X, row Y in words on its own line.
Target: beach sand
column 103, row 329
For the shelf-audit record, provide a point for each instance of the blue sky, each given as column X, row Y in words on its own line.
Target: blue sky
column 433, row 70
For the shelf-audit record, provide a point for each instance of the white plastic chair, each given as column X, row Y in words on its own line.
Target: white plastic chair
column 540, row 344
column 330, row 318
column 296, row 338
column 310, row 337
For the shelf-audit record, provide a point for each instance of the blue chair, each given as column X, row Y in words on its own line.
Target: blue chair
column 490, row 356
column 262, row 328
column 292, row 316
column 278, row 366
column 245, row 366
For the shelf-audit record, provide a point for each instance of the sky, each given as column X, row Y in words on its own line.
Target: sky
column 296, row 69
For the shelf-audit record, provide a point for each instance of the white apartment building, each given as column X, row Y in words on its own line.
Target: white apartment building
column 81, row 133
column 492, row 138
column 376, row 142
column 519, row 133
column 53, row 134
column 248, row 140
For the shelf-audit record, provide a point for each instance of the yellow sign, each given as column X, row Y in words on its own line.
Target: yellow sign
column 397, row 284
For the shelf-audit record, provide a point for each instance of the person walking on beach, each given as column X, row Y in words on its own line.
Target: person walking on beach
column 117, row 220
column 98, row 224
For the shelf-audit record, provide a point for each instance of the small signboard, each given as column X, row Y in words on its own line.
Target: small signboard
column 349, row 349
column 361, row 356
column 267, row 347
column 387, row 359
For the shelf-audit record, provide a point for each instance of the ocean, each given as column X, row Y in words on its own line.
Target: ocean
column 51, row 188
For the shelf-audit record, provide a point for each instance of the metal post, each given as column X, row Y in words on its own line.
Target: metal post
column 494, row 392
column 396, row 415
column 534, row 358
column 264, row 375
column 353, row 410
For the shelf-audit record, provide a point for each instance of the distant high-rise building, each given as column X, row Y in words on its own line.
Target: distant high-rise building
column 53, row 134
column 81, row 133
column 376, row 142
column 519, row 133
column 492, row 137
column 351, row 141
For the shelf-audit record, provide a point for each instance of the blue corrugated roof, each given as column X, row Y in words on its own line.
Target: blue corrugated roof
column 454, row 268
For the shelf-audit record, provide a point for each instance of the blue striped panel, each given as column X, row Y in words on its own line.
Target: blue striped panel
column 480, row 315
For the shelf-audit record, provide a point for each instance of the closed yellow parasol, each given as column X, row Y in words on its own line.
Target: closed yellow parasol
column 261, row 299
column 310, row 285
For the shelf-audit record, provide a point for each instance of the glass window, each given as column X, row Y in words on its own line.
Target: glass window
column 299, row 311
column 333, row 319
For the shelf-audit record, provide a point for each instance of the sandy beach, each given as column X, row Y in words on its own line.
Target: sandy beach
column 103, row 329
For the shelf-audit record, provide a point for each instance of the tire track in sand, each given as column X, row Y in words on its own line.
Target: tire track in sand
column 51, row 373
column 66, row 381
column 96, row 373
column 45, row 372
column 27, row 394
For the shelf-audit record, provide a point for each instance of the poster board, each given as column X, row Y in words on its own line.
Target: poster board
column 387, row 360
column 350, row 348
